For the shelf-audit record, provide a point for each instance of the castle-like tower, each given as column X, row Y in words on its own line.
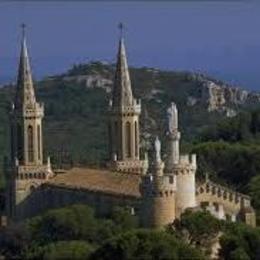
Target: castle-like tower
column 27, row 169
column 124, row 111
column 158, row 194
column 173, row 153
column 182, row 166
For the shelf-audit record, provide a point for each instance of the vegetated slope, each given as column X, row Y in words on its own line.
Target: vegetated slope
column 76, row 102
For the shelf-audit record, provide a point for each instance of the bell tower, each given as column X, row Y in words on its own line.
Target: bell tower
column 27, row 115
column 124, row 112
column 27, row 169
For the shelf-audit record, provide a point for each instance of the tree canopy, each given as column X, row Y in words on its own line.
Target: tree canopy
column 145, row 244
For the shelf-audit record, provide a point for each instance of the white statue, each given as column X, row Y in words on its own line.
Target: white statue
column 172, row 115
column 157, row 146
column 114, row 157
column 16, row 161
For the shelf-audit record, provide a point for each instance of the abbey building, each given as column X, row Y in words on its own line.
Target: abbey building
column 157, row 191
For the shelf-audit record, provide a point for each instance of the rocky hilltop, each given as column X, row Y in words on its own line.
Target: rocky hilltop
column 219, row 96
column 212, row 94
column 76, row 104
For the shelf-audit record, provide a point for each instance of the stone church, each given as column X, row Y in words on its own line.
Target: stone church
column 156, row 191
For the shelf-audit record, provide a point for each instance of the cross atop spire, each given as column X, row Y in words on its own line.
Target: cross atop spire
column 25, row 91
column 122, row 93
column 121, row 29
column 23, row 26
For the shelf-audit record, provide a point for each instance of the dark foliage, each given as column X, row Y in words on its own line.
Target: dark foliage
column 145, row 244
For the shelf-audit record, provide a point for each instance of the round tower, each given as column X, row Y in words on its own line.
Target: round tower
column 185, row 183
column 158, row 195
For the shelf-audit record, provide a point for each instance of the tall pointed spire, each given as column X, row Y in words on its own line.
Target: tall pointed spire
column 25, row 91
column 123, row 124
column 122, row 93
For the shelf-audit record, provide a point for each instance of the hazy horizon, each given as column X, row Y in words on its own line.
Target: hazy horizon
column 220, row 39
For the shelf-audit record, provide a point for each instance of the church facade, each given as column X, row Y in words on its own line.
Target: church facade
column 157, row 191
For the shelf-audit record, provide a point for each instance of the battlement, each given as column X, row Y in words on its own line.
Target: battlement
column 159, row 186
column 187, row 165
column 223, row 193
column 131, row 166
column 37, row 110
column 133, row 109
column 174, row 135
column 34, row 111
column 188, row 159
column 32, row 171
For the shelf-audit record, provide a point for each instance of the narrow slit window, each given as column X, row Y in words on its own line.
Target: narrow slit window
column 30, row 144
column 128, row 139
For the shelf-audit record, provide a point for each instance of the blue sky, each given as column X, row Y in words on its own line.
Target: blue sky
column 218, row 38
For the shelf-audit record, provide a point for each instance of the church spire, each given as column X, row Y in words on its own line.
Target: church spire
column 122, row 93
column 123, row 124
column 25, row 91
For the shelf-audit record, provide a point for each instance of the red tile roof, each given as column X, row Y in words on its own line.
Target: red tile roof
column 99, row 180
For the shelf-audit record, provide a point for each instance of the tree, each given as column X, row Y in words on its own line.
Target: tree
column 254, row 189
column 61, row 250
column 124, row 219
column 199, row 229
column 78, row 222
column 13, row 239
column 68, row 223
column 240, row 242
column 145, row 244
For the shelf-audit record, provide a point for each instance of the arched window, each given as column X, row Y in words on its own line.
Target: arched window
column 207, row 188
column 19, row 143
column 115, row 138
column 230, row 197
column 39, row 141
column 128, row 139
column 110, row 138
column 30, row 144
column 136, row 140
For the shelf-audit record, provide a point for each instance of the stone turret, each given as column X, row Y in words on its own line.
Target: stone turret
column 123, row 126
column 182, row 166
column 173, row 139
column 185, row 183
column 27, row 169
column 158, row 194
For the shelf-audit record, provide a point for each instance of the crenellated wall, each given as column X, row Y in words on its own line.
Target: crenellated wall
column 224, row 202
column 185, row 183
column 158, row 202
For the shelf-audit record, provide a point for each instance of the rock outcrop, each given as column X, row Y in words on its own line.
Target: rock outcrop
column 218, row 96
column 211, row 94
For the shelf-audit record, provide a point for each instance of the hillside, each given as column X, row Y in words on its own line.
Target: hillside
column 218, row 122
column 76, row 105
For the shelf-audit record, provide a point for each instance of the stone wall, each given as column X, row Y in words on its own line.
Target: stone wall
column 158, row 203
column 225, row 202
column 50, row 197
column 158, row 211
